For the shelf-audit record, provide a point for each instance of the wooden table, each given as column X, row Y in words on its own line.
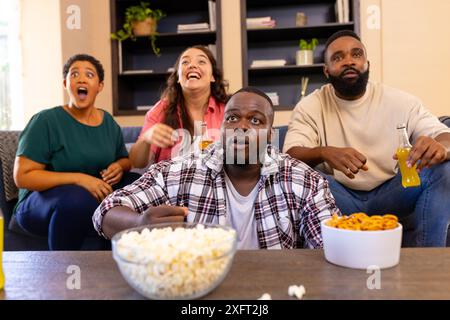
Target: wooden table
column 422, row 274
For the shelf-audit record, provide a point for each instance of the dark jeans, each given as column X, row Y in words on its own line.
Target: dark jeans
column 63, row 214
column 427, row 207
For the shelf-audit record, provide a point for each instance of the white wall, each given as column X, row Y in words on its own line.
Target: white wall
column 411, row 50
column 370, row 21
column 41, row 55
column 416, row 50
column 232, row 43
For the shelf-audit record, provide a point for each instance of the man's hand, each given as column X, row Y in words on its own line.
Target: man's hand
column 347, row 160
column 163, row 214
column 112, row 174
column 428, row 151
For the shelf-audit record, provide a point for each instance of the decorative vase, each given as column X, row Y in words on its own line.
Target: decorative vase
column 304, row 57
column 144, row 28
column 301, row 19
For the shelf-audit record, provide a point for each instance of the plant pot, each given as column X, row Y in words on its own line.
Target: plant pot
column 304, row 57
column 144, row 28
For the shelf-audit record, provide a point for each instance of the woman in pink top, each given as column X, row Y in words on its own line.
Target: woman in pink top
column 195, row 93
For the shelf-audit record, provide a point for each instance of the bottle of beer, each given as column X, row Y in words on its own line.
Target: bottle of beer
column 410, row 177
column 205, row 140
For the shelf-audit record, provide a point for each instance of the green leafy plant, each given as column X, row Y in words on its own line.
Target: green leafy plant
column 305, row 45
column 135, row 14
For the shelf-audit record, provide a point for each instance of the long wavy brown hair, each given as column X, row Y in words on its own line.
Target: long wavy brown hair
column 173, row 93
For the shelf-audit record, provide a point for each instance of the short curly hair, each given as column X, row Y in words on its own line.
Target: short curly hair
column 84, row 57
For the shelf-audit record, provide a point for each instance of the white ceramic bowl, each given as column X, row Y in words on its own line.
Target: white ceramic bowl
column 166, row 267
column 361, row 249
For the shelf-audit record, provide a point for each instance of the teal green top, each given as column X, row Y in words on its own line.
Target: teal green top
column 54, row 138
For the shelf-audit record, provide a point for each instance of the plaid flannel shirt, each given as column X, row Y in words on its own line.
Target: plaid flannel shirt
column 292, row 198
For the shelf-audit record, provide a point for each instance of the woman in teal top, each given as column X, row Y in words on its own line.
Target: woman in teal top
column 69, row 159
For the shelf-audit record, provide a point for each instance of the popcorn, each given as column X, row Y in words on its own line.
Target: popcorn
column 297, row 291
column 173, row 263
column 265, row 296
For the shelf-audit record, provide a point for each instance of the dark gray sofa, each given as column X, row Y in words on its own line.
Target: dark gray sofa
column 20, row 241
column 16, row 239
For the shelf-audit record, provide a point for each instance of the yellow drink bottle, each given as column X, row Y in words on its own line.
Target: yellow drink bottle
column 2, row 276
column 410, row 177
column 205, row 140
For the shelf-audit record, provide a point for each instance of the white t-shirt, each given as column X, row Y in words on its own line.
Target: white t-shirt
column 368, row 125
column 241, row 216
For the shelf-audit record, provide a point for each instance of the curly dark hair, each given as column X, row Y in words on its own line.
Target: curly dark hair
column 174, row 95
column 84, row 57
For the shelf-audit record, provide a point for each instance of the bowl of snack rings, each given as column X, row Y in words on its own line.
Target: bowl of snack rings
column 358, row 241
column 174, row 260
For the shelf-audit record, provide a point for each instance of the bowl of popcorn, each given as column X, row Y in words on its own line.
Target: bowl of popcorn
column 175, row 260
column 361, row 242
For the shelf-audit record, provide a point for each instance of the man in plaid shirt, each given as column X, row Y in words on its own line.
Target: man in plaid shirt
column 273, row 201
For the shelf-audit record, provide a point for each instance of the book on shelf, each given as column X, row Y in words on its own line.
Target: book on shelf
column 259, row 20
column 143, row 108
column 260, row 23
column 212, row 14
column 339, row 11
column 137, row 71
column 268, row 63
column 193, row 27
column 342, row 8
column 346, row 11
column 193, row 31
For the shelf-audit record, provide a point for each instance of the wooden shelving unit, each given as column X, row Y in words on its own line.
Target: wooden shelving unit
column 281, row 42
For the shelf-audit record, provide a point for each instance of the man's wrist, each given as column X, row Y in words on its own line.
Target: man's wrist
column 321, row 153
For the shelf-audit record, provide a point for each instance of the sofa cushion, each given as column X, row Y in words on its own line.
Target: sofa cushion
column 445, row 120
column 8, row 148
column 130, row 134
column 279, row 136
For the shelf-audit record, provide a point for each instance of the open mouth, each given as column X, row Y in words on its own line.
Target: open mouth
column 82, row 93
column 350, row 74
column 193, row 76
column 240, row 142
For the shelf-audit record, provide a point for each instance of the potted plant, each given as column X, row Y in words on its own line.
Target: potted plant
column 140, row 20
column 305, row 56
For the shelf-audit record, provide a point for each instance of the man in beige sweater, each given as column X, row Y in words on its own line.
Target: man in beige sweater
column 348, row 130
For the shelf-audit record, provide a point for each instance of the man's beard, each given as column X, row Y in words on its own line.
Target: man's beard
column 350, row 88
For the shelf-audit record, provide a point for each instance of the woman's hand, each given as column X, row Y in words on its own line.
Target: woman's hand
column 112, row 174
column 32, row 175
column 160, row 135
column 98, row 188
